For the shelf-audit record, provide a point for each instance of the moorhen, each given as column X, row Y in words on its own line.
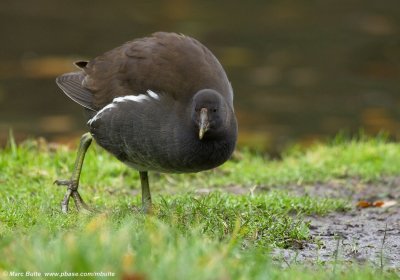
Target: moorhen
column 160, row 103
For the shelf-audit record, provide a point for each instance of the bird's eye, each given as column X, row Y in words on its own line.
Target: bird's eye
column 214, row 110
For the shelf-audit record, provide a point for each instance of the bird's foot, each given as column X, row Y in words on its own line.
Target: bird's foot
column 72, row 190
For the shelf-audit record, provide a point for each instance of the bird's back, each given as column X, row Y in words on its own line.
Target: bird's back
column 173, row 64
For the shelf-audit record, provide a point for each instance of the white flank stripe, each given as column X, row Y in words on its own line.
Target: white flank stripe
column 109, row 106
column 153, row 94
column 135, row 98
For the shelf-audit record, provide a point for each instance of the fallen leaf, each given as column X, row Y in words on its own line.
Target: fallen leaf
column 378, row 203
column 364, row 204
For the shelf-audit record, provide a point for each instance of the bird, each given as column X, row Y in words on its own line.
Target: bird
column 161, row 103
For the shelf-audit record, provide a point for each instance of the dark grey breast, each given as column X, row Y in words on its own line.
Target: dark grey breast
column 140, row 97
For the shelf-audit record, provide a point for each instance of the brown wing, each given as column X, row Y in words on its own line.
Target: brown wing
column 71, row 85
column 165, row 62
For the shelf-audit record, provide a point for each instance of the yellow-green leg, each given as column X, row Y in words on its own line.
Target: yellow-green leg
column 73, row 183
column 146, row 196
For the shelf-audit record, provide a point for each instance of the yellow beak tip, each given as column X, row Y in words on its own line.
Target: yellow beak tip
column 201, row 134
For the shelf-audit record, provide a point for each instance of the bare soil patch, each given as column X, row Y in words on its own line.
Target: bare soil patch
column 361, row 235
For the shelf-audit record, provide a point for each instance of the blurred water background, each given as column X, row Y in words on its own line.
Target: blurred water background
column 301, row 70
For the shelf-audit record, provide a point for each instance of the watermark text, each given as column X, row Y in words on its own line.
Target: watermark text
column 58, row 274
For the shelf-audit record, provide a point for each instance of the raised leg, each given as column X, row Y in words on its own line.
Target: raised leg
column 146, row 196
column 73, row 183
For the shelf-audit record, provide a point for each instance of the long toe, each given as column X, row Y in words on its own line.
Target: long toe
column 71, row 187
column 79, row 203
column 62, row 182
column 65, row 201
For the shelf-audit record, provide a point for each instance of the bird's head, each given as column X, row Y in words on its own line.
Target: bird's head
column 210, row 113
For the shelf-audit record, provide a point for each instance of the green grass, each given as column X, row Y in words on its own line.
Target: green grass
column 217, row 235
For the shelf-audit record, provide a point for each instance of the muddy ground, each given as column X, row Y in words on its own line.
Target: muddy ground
column 360, row 235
